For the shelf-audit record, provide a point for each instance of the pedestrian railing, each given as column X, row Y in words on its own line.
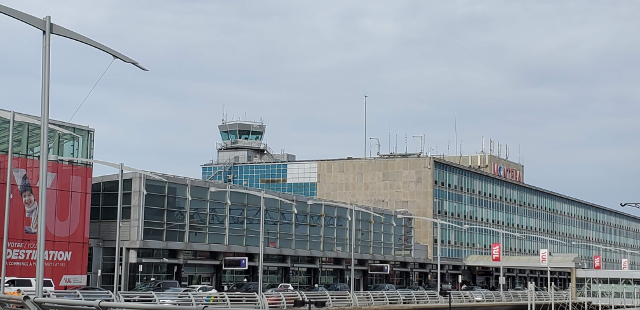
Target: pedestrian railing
column 102, row 300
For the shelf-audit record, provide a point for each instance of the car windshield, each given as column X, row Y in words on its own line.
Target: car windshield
column 145, row 286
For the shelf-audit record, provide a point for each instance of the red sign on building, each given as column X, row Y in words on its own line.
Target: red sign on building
column 495, row 252
column 597, row 262
column 67, row 229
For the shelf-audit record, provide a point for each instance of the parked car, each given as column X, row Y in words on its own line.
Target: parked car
column 26, row 284
column 472, row 288
column 173, row 296
column 245, row 287
column 337, row 287
column 157, row 286
column 317, row 289
column 385, row 287
column 416, row 288
column 203, row 288
column 274, row 300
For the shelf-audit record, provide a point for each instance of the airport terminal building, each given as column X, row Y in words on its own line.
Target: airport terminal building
column 475, row 190
column 183, row 229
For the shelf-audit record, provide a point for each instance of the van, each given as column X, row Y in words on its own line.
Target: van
column 28, row 285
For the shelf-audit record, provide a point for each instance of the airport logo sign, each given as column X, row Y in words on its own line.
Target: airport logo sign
column 625, row 264
column 507, row 173
column 597, row 262
column 544, row 257
column 495, row 252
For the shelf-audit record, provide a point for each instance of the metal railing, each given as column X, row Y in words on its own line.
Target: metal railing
column 100, row 300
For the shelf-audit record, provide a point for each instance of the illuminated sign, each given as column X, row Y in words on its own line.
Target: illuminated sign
column 379, row 268
column 235, row 263
column 495, row 252
column 507, row 173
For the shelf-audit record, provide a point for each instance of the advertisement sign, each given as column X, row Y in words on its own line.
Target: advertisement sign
column 379, row 268
column 235, row 263
column 544, row 257
column 67, row 228
column 625, row 264
column 597, row 262
column 495, row 252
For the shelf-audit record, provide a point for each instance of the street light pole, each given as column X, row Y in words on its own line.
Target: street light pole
column 7, row 201
column 501, row 231
column 44, row 152
column 439, row 222
column 121, row 167
column 47, row 29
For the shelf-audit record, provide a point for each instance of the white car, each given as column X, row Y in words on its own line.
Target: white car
column 27, row 285
column 203, row 288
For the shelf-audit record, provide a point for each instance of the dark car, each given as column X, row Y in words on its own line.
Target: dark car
column 316, row 289
column 156, row 286
column 245, row 287
column 385, row 287
column 416, row 288
column 337, row 287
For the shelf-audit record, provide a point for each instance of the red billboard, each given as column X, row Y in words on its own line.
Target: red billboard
column 67, row 230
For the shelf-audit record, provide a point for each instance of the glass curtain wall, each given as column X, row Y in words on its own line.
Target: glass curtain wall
column 464, row 197
column 230, row 217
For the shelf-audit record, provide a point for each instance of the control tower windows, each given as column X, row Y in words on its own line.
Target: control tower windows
column 256, row 136
column 244, row 134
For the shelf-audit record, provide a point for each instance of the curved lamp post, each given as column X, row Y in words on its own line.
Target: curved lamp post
column 48, row 28
column 440, row 223
column 263, row 195
column 548, row 262
column 353, row 232
column 121, row 168
column 502, row 232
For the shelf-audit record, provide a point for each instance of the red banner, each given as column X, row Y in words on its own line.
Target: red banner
column 597, row 262
column 495, row 252
column 68, row 203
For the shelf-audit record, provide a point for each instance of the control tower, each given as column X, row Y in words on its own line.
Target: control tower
column 242, row 143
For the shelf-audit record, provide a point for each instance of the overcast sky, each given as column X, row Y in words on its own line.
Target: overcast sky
column 556, row 80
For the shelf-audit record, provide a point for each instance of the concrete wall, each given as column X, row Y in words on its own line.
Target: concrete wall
column 393, row 183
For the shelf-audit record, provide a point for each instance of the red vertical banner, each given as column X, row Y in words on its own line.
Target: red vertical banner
column 495, row 252
column 597, row 262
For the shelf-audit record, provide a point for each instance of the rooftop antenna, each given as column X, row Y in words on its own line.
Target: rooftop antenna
column 490, row 146
column 222, row 113
column 396, row 149
column 455, row 126
column 482, row 144
column 378, row 144
column 448, row 147
column 519, row 156
column 406, row 145
column 421, row 143
column 365, row 125
column 389, row 138
column 506, row 151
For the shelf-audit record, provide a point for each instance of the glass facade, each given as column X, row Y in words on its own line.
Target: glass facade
column 272, row 176
column 26, row 139
column 464, row 197
column 232, row 217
